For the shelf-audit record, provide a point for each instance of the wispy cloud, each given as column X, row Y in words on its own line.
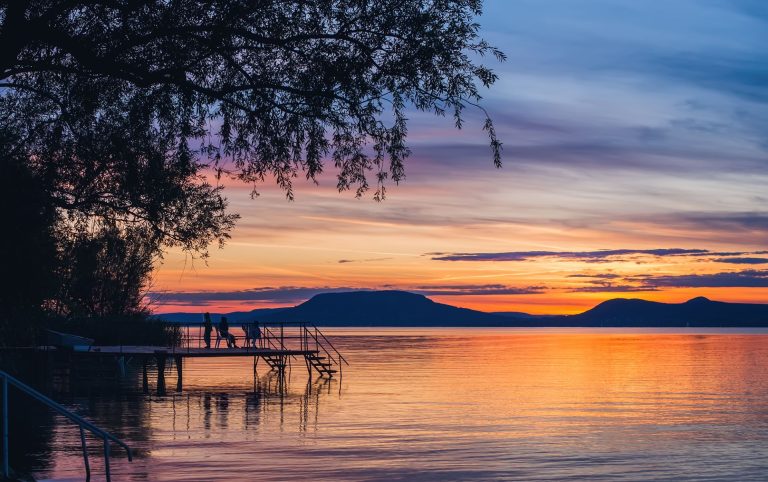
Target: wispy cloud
column 595, row 276
column 369, row 260
column 283, row 294
column 299, row 294
column 732, row 279
column 484, row 289
column 733, row 221
column 610, row 288
column 741, row 260
column 588, row 256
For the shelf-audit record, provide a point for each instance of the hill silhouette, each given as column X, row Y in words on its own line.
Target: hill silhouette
column 383, row 308
column 695, row 312
column 401, row 309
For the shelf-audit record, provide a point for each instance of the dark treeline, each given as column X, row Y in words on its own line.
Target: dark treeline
column 60, row 276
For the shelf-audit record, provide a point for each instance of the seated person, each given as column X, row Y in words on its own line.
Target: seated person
column 254, row 333
column 224, row 333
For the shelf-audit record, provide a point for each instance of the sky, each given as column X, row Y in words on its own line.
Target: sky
column 635, row 165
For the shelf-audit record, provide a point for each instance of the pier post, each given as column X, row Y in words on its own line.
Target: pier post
column 121, row 365
column 6, row 470
column 144, row 377
column 160, row 373
column 179, row 372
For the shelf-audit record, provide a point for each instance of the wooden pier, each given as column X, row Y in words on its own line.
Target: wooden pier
column 277, row 345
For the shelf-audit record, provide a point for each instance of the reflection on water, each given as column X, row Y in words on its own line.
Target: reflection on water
column 450, row 404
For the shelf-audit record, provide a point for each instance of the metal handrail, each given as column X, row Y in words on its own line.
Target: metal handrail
column 271, row 339
column 318, row 332
column 268, row 336
column 61, row 410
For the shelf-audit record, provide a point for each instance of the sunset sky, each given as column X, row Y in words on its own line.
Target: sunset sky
column 635, row 165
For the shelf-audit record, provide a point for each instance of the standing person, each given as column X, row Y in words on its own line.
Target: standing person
column 255, row 333
column 207, row 329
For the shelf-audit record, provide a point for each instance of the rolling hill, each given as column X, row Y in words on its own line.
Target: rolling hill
column 402, row 309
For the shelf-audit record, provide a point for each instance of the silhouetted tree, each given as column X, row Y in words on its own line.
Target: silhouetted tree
column 274, row 86
column 106, row 273
column 27, row 249
column 101, row 157
column 123, row 109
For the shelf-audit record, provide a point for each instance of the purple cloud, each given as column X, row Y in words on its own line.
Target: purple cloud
column 732, row 279
column 588, row 256
column 741, row 260
column 298, row 294
column 595, row 276
column 282, row 294
column 609, row 288
column 486, row 289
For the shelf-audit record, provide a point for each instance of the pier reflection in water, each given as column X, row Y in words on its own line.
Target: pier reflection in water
column 199, row 434
column 479, row 404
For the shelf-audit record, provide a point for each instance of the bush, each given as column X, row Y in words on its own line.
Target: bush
column 123, row 330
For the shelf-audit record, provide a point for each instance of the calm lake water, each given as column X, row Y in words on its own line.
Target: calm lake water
column 447, row 404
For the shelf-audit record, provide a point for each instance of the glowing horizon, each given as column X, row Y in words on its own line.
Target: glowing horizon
column 626, row 127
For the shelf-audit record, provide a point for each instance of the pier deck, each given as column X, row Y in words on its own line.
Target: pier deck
column 276, row 344
column 127, row 350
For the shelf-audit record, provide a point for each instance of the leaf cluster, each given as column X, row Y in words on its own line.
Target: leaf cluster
column 263, row 88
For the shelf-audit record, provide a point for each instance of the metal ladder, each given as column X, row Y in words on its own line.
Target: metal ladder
column 326, row 360
column 7, row 380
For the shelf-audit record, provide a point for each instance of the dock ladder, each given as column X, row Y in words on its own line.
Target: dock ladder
column 322, row 355
column 319, row 353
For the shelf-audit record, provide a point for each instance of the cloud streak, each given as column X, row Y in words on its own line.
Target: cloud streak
column 588, row 256
column 369, row 260
column 486, row 289
column 741, row 260
column 613, row 289
column 732, row 279
column 299, row 294
column 282, row 294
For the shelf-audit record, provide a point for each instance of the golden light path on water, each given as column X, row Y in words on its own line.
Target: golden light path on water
column 454, row 404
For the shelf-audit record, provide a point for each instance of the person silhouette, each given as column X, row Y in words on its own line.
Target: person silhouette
column 224, row 330
column 207, row 329
column 254, row 332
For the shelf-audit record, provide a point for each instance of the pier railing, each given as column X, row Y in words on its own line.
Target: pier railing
column 323, row 344
column 278, row 336
column 7, row 381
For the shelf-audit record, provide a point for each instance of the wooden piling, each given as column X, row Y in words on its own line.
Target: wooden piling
column 179, row 372
column 144, row 377
column 160, row 357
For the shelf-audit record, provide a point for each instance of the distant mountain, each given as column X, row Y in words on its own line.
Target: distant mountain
column 383, row 308
column 401, row 308
column 700, row 312
column 521, row 315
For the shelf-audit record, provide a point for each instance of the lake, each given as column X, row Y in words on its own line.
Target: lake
column 445, row 404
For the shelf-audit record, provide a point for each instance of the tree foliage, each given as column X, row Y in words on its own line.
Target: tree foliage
column 123, row 110
column 106, row 274
column 267, row 88
column 28, row 247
